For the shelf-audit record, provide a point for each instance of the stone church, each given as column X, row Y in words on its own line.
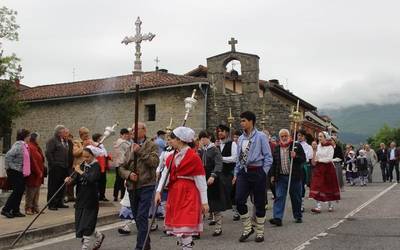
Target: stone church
column 221, row 93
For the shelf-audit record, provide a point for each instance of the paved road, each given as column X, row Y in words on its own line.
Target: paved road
column 366, row 218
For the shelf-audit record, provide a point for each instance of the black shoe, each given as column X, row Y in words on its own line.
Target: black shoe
column 154, row 228
column 244, row 237
column 63, row 206
column 103, row 199
column 212, row 223
column 18, row 214
column 115, row 199
column 217, row 232
column 196, row 237
column 7, row 214
column 53, row 208
column 122, row 231
column 236, row 217
column 298, row 220
column 259, row 238
column 276, row 222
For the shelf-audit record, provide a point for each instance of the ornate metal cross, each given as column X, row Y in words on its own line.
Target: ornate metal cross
column 233, row 42
column 137, row 39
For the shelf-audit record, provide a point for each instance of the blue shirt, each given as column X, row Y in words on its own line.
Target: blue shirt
column 259, row 153
column 161, row 145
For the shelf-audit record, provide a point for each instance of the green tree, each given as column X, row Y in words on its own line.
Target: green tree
column 386, row 135
column 10, row 70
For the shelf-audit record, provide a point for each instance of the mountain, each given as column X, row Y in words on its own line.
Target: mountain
column 359, row 122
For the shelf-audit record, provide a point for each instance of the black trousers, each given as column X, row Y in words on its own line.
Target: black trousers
column 102, row 185
column 17, row 182
column 393, row 165
column 384, row 171
column 56, row 177
column 118, row 185
column 253, row 182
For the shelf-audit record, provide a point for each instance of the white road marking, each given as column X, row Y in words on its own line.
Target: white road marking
column 67, row 237
column 352, row 213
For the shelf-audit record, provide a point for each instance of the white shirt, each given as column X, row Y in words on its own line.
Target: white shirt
column 308, row 151
column 98, row 151
column 324, row 154
column 233, row 157
column 392, row 154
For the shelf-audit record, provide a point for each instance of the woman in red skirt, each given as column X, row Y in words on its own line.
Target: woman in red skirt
column 324, row 184
column 187, row 189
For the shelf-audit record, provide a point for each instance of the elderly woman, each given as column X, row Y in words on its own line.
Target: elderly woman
column 17, row 167
column 35, row 180
column 324, row 183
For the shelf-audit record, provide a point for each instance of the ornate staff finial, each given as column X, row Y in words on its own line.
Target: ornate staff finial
column 296, row 116
column 169, row 128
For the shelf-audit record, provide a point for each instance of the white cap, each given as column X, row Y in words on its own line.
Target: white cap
column 184, row 134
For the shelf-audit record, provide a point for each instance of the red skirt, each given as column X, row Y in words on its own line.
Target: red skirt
column 324, row 183
column 183, row 208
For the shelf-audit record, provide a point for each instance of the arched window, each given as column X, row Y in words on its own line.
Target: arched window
column 233, row 79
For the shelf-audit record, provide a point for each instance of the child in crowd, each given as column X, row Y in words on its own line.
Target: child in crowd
column 362, row 167
column 126, row 215
column 86, row 178
column 351, row 171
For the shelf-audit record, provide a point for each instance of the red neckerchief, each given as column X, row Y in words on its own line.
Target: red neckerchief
column 285, row 145
column 327, row 143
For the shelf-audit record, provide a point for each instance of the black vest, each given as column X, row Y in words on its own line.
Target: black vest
column 227, row 168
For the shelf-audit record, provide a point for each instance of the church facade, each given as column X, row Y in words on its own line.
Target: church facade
column 221, row 93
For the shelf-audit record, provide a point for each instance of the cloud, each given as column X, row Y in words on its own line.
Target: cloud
column 376, row 89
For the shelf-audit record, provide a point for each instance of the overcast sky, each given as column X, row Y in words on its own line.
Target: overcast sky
column 327, row 52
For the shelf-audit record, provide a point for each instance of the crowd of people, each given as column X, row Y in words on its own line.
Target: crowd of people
column 185, row 179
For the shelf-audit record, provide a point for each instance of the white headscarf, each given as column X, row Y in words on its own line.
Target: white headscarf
column 184, row 134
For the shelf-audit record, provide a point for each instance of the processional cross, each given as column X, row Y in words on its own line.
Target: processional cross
column 137, row 39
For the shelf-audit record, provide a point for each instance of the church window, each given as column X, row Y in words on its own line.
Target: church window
column 150, row 112
column 233, row 80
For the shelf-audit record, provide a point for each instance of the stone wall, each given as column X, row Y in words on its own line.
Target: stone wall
column 96, row 113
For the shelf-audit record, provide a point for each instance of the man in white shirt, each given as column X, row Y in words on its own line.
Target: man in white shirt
column 308, row 151
column 229, row 156
column 393, row 157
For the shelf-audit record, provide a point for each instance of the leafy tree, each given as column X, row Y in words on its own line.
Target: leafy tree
column 386, row 135
column 10, row 70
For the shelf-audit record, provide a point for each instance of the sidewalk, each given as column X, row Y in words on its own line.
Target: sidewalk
column 51, row 223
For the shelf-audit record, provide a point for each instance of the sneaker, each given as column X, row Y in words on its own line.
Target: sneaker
column 259, row 238
column 236, row 217
column 330, row 209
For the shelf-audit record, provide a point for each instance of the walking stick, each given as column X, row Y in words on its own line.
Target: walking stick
column 107, row 133
column 189, row 105
column 296, row 117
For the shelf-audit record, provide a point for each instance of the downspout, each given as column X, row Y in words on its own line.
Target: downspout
column 205, row 94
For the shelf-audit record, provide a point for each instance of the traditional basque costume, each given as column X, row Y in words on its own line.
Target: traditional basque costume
column 324, row 184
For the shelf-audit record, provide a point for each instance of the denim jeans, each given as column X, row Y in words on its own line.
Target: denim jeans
column 280, row 198
column 140, row 200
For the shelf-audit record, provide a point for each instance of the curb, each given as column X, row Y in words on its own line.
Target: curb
column 40, row 234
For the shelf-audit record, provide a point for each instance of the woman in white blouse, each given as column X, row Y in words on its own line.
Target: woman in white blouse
column 324, row 184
